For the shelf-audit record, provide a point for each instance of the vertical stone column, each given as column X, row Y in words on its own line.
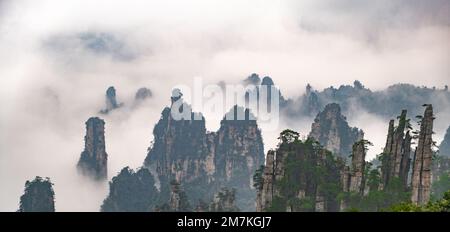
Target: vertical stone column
column 93, row 160
column 421, row 180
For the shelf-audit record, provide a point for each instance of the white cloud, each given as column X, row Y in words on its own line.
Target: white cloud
column 47, row 92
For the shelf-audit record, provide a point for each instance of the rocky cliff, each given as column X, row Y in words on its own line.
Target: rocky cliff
column 38, row 197
column 396, row 154
column 182, row 150
column 93, row 160
column 131, row 191
column 330, row 129
column 299, row 176
column 357, row 168
column 204, row 161
column 421, row 176
column 239, row 149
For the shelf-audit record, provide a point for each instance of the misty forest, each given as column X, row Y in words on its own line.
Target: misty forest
column 88, row 90
column 188, row 168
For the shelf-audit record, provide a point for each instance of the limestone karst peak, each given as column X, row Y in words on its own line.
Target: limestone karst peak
column 331, row 129
column 111, row 101
column 38, row 196
column 267, row 81
column 421, row 176
column 94, row 159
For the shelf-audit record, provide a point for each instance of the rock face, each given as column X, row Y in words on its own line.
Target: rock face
column 181, row 151
column 421, row 177
column 396, row 154
column 204, row 161
column 444, row 148
column 330, row 128
column 299, row 176
column 93, row 160
column 111, row 101
column 131, row 191
column 38, row 197
column 224, row 201
column 353, row 177
column 239, row 149
column 356, row 172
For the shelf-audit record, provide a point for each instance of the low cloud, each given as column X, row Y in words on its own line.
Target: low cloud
column 58, row 58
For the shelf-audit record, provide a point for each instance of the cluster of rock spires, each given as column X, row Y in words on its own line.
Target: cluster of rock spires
column 383, row 103
column 265, row 86
column 288, row 181
column 93, row 160
column 330, row 129
column 304, row 176
column 38, row 197
column 112, row 103
column 396, row 154
column 187, row 163
column 204, row 161
column 396, row 159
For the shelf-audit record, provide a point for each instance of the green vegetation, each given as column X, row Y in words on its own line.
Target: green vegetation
column 376, row 200
column 310, row 171
column 38, row 197
column 442, row 205
column 302, row 175
column 440, row 186
column 258, row 178
column 441, row 176
column 131, row 192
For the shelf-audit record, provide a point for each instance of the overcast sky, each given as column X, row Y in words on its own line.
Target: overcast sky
column 58, row 57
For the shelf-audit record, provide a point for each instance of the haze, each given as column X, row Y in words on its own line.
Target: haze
column 57, row 58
